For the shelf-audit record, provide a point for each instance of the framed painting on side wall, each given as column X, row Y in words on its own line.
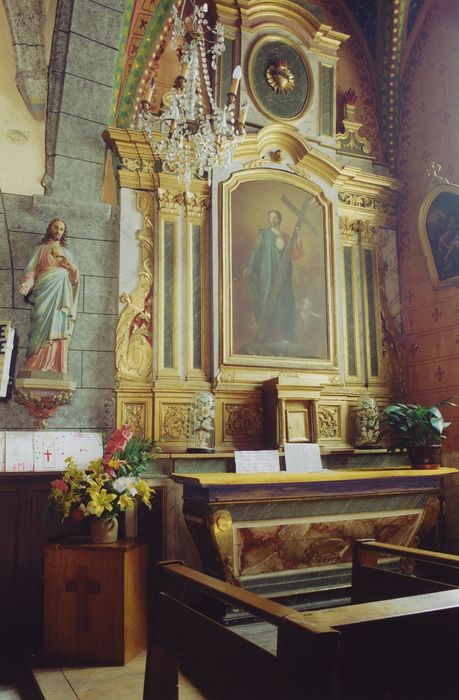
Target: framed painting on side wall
column 277, row 284
column 439, row 231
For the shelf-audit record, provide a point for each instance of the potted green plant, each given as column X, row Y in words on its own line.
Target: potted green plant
column 418, row 429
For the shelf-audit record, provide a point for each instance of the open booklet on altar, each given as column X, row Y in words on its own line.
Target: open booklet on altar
column 256, row 461
column 302, row 457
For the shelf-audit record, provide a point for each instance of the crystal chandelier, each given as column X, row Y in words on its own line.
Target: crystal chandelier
column 191, row 134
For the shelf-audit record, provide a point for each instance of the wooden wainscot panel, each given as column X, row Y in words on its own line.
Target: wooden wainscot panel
column 239, row 420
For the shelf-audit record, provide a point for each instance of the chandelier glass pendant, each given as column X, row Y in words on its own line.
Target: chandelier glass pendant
column 191, row 134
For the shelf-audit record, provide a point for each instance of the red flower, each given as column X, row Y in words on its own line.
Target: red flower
column 77, row 514
column 60, row 485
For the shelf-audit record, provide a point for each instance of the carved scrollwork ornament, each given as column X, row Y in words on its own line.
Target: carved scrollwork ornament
column 196, row 204
column 243, row 421
column 367, row 232
column 355, row 230
column 134, row 414
column 328, row 418
column 354, row 199
column 134, row 165
column 228, row 572
column 169, row 202
column 175, row 421
column 222, row 520
column 349, row 229
column 256, row 163
column 134, row 330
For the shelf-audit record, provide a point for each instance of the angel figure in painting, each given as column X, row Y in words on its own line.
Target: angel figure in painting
column 51, row 281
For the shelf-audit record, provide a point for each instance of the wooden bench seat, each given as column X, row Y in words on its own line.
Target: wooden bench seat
column 402, row 649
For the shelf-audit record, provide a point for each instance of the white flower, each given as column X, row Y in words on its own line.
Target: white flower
column 125, row 484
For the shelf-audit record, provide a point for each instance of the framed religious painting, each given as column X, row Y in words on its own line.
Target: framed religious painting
column 439, row 231
column 277, row 273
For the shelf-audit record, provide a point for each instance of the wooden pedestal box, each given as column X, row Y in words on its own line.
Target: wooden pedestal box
column 289, row 411
column 95, row 602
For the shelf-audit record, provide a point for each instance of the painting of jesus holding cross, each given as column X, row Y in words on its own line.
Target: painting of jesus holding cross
column 270, row 274
column 278, row 255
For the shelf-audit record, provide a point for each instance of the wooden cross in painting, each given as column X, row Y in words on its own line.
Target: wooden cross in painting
column 265, row 316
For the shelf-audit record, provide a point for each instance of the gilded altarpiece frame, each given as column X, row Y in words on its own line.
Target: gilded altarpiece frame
column 280, row 317
column 134, row 335
column 182, row 312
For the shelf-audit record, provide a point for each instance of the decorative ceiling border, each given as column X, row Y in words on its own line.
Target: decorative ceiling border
column 141, row 69
column 390, row 85
column 120, row 59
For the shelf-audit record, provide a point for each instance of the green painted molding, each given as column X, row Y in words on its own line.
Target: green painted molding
column 127, row 100
column 120, row 59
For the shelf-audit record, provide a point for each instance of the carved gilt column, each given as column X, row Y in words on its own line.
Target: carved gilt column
column 198, row 295
column 134, row 341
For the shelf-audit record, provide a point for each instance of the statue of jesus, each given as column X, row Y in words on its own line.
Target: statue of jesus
column 51, row 282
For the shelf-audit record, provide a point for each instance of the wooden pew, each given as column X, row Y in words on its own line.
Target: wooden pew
column 402, row 649
column 221, row 663
column 420, row 571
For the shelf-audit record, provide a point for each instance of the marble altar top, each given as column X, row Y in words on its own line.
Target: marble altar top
column 233, row 479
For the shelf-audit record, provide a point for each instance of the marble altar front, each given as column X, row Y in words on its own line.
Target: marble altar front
column 284, row 534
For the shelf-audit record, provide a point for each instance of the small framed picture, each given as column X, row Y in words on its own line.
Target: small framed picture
column 439, row 231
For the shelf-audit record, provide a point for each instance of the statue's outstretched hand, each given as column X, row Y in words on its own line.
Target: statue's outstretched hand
column 25, row 287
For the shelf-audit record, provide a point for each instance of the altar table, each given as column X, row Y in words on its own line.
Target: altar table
column 290, row 534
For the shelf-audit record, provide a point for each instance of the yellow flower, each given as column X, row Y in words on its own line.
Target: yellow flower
column 116, row 463
column 100, row 501
column 126, row 502
column 96, row 467
column 144, row 491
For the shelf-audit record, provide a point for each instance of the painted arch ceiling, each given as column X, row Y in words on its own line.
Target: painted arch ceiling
column 383, row 28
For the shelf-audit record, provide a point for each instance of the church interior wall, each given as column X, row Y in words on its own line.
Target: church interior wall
column 94, row 243
column 22, row 138
column 353, row 71
column 429, row 99
column 83, row 63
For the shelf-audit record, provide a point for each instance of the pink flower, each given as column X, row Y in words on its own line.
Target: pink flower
column 118, row 439
column 60, row 485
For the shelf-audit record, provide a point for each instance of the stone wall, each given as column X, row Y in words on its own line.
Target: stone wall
column 81, row 75
column 93, row 239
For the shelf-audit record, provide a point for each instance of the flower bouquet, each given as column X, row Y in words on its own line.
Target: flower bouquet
column 110, row 485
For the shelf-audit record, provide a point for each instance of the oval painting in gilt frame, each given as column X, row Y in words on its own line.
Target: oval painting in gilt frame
column 279, row 79
column 439, row 231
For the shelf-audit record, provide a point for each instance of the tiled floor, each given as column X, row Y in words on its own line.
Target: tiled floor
column 101, row 683
column 126, row 682
column 8, row 693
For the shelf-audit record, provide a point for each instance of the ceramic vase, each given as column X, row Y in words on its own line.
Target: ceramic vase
column 202, row 423
column 425, row 456
column 366, row 424
column 103, row 530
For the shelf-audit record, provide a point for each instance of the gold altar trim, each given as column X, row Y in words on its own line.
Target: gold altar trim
column 316, row 35
column 305, row 477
